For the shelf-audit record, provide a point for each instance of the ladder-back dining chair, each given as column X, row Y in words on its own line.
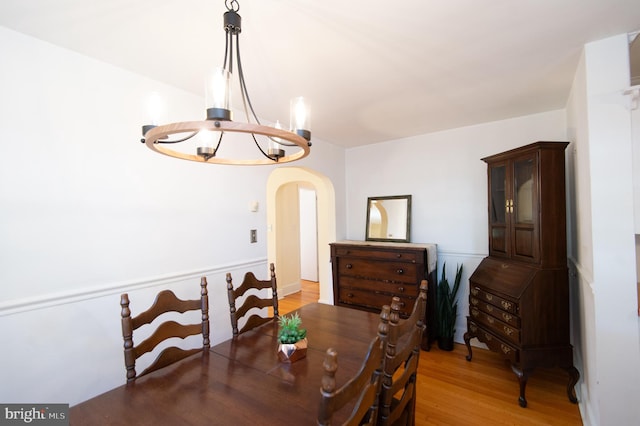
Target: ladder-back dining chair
column 398, row 393
column 363, row 390
column 248, row 313
column 165, row 301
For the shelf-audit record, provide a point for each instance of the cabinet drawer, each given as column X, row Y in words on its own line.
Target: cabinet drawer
column 494, row 342
column 492, row 310
column 496, row 326
column 495, row 300
column 384, row 271
column 393, row 288
column 410, row 256
column 354, row 296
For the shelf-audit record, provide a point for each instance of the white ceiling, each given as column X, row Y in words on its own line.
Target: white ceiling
column 372, row 70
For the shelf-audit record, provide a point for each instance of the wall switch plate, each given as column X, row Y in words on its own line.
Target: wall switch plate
column 254, row 236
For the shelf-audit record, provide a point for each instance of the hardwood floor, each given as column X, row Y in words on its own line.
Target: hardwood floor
column 454, row 391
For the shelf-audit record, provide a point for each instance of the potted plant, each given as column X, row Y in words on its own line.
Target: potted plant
column 292, row 338
column 447, row 307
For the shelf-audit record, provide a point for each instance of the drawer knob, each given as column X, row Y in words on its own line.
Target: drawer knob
column 506, row 305
column 401, row 289
column 349, row 294
column 400, row 271
column 349, row 266
column 399, row 255
column 488, row 297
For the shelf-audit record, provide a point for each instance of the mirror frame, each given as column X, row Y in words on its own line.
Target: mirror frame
column 370, row 201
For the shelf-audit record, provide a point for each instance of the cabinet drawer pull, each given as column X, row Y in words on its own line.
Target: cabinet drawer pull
column 490, row 319
column 474, row 312
column 402, row 304
column 349, row 266
column 506, row 305
column 505, row 349
column 507, row 317
column 474, row 291
column 400, row 271
column 401, row 289
column 489, row 297
column 349, row 294
column 474, row 302
column 508, row 331
column 399, row 255
column 489, row 308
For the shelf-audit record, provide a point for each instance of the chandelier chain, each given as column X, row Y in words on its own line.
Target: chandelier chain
column 232, row 5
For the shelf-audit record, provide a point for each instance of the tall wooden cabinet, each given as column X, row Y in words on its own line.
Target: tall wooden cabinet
column 519, row 294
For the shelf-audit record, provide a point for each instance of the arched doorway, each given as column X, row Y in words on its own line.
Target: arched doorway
column 283, row 243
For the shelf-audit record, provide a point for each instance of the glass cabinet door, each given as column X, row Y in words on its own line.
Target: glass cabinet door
column 523, row 191
column 523, row 210
column 498, row 197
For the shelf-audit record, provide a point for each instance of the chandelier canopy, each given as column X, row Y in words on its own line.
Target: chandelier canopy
column 208, row 134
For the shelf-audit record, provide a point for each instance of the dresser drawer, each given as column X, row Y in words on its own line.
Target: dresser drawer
column 492, row 310
column 496, row 326
column 410, row 256
column 373, row 300
column 495, row 300
column 393, row 288
column 384, row 271
column 494, row 342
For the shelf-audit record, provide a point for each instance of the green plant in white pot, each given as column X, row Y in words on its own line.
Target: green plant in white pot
column 447, row 307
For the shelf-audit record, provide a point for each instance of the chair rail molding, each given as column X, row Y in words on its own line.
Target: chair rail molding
column 42, row 301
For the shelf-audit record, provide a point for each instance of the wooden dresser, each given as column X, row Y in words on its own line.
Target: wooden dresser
column 366, row 275
column 519, row 294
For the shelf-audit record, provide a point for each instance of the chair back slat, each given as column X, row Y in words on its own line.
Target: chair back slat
column 253, row 302
column 165, row 301
column 254, row 321
column 169, row 356
column 165, row 331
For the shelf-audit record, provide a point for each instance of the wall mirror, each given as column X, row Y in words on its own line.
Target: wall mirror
column 389, row 218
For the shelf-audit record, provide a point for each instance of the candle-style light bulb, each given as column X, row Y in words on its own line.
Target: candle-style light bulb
column 206, row 142
column 275, row 149
column 217, row 90
column 156, row 111
column 300, row 120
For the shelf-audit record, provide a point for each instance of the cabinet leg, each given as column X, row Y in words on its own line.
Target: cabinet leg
column 574, row 375
column 523, row 376
column 467, row 339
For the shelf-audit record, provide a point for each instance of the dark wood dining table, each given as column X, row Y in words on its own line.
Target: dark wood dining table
column 241, row 381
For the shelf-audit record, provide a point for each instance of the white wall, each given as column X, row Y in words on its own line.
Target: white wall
column 448, row 182
column 603, row 243
column 88, row 212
